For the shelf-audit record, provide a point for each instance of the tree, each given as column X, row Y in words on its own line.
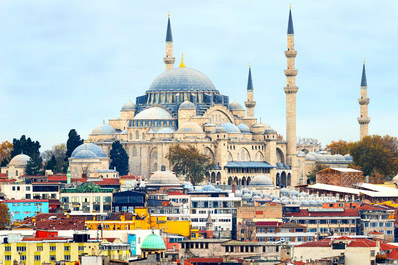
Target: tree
column 59, row 154
column 5, row 217
column 30, row 148
column 119, row 159
column 189, row 162
column 340, row 147
column 33, row 169
column 73, row 142
column 5, row 152
column 376, row 156
column 311, row 176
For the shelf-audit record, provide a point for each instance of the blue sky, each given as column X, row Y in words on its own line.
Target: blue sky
column 71, row 64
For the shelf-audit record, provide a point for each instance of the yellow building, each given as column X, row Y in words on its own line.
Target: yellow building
column 142, row 220
column 35, row 251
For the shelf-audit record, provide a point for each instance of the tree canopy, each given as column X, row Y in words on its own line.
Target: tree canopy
column 55, row 159
column 5, row 153
column 189, row 162
column 31, row 148
column 119, row 159
column 340, row 147
column 5, row 217
column 72, row 142
column 376, row 155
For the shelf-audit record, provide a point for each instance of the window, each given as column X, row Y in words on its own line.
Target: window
column 67, row 257
column 39, row 248
column 97, row 199
column 373, row 224
column 381, row 224
column 21, row 249
column 53, row 248
column 23, row 257
column 53, row 258
column 7, row 257
column 13, row 188
column 86, row 199
column 65, row 199
column 107, row 199
column 7, row 249
column 27, row 188
column 28, row 196
column 389, row 224
column 389, row 232
column 372, row 253
column 37, row 257
column 67, row 248
column 366, row 224
column 80, row 248
column 75, row 199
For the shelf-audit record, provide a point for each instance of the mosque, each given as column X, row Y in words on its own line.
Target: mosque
column 182, row 106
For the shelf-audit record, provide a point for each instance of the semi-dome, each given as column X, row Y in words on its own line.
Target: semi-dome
column 220, row 129
column 128, row 106
column 19, row 160
column 244, row 128
column 348, row 157
column 85, row 154
column 182, row 80
column 189, row 127
column 235, row 106
column 153, row 242
column 230, row 127
column 209, row 187
column 91, row 147
column 163, row 177
column 104, row 129
column 153, row 113
column 261, row 180
column 187, row 105
column 310, row 157
column 166, row 130
column 339, row 157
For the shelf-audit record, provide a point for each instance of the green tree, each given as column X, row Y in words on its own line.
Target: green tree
column 189, row 162
column 73, row 142
column 59, row 154
column 377, row 156
column 51, row 164
column 5, row 217
column 33, row 169
column 340, row 147
column 119, row 159
column 311, row 176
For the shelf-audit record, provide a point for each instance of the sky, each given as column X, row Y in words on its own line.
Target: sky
column 72, row 64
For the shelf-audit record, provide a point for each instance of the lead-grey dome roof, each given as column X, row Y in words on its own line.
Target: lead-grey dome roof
column 187, row 105
column 19, row 160
column 85, row 154
column 235, row 106
column 244, row 128
column 163, row 177
column 182, row 80
column 261, row 180
column 128, row 106
column 103, row 129
column 91, row 147
column 153, row 113
column 230, row 128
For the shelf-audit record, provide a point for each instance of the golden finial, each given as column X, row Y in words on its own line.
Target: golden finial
column 169, row 14
column 250, row 66
column 364, row 60
column 182, row 65
column 290, row 6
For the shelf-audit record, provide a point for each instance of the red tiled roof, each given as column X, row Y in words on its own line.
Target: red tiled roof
column 3, row 175
column 376, row 232
column 45, row 182
column 57, row 178
column 367, row 207
column 10, row 201
column 175, row 193
column 44, row 238
column 73, row 223
column 268, row 223
column 33, row 176
column 362, row 244
column 306, row 213
column 210, row 260
column 299, row 263
column 129, row 177
column 7, row 180
column 393, row 255
column 315, row 244
column 110, row 181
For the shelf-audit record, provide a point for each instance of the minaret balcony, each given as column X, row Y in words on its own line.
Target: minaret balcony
column 290, row 53
column 291, row 72
column 250, row 104
column 290, row 89
column 363, row 120
column 363, row 101
column 169, row 60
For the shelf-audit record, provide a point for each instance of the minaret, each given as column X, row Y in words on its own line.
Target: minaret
column 363, row 120
column 250, row 103
column 169, row 59
column 291, row 91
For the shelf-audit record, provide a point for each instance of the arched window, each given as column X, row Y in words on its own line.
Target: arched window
column 137, row 135
column 130, row 136
column 143, row 136
column 134, row 151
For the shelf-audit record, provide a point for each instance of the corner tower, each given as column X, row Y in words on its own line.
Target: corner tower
column 169, row 59
column 291, row 91
column 363, row 120
column 250, row 103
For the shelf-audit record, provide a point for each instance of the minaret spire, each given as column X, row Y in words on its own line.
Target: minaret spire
column 291, row 91
column 363, row 101
column 169, row 59
column 250, row 103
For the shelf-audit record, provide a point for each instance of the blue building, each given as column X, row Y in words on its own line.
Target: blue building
column 21, row 209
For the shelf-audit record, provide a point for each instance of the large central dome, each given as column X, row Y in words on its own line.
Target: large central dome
column 182, row 80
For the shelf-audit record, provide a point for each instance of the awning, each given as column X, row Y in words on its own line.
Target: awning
column 246, row 164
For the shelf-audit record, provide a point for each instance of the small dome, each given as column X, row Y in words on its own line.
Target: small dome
column 128, row 106
column 153, row 242
column 257, row 197
column 209, row 187
column 209, row 125
column 154, row 113
column 19, row 160
column 348, row 157
column 220, row 129
column 163, row 177
column 320, row 157
column 187, row 105
column 300, row 154
column 246, row 196
column 190, row 127
column 230, row 127
column 244, row 128
column 284, row 191
column 261, row 180
column 235, row 106
column 310, row 157
column 330, row 158
column 104, row 129
column 303, row 194
column 295, row 193
column 311, row 153
column 339, row 157
column 85, row 154
column 91, row 147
